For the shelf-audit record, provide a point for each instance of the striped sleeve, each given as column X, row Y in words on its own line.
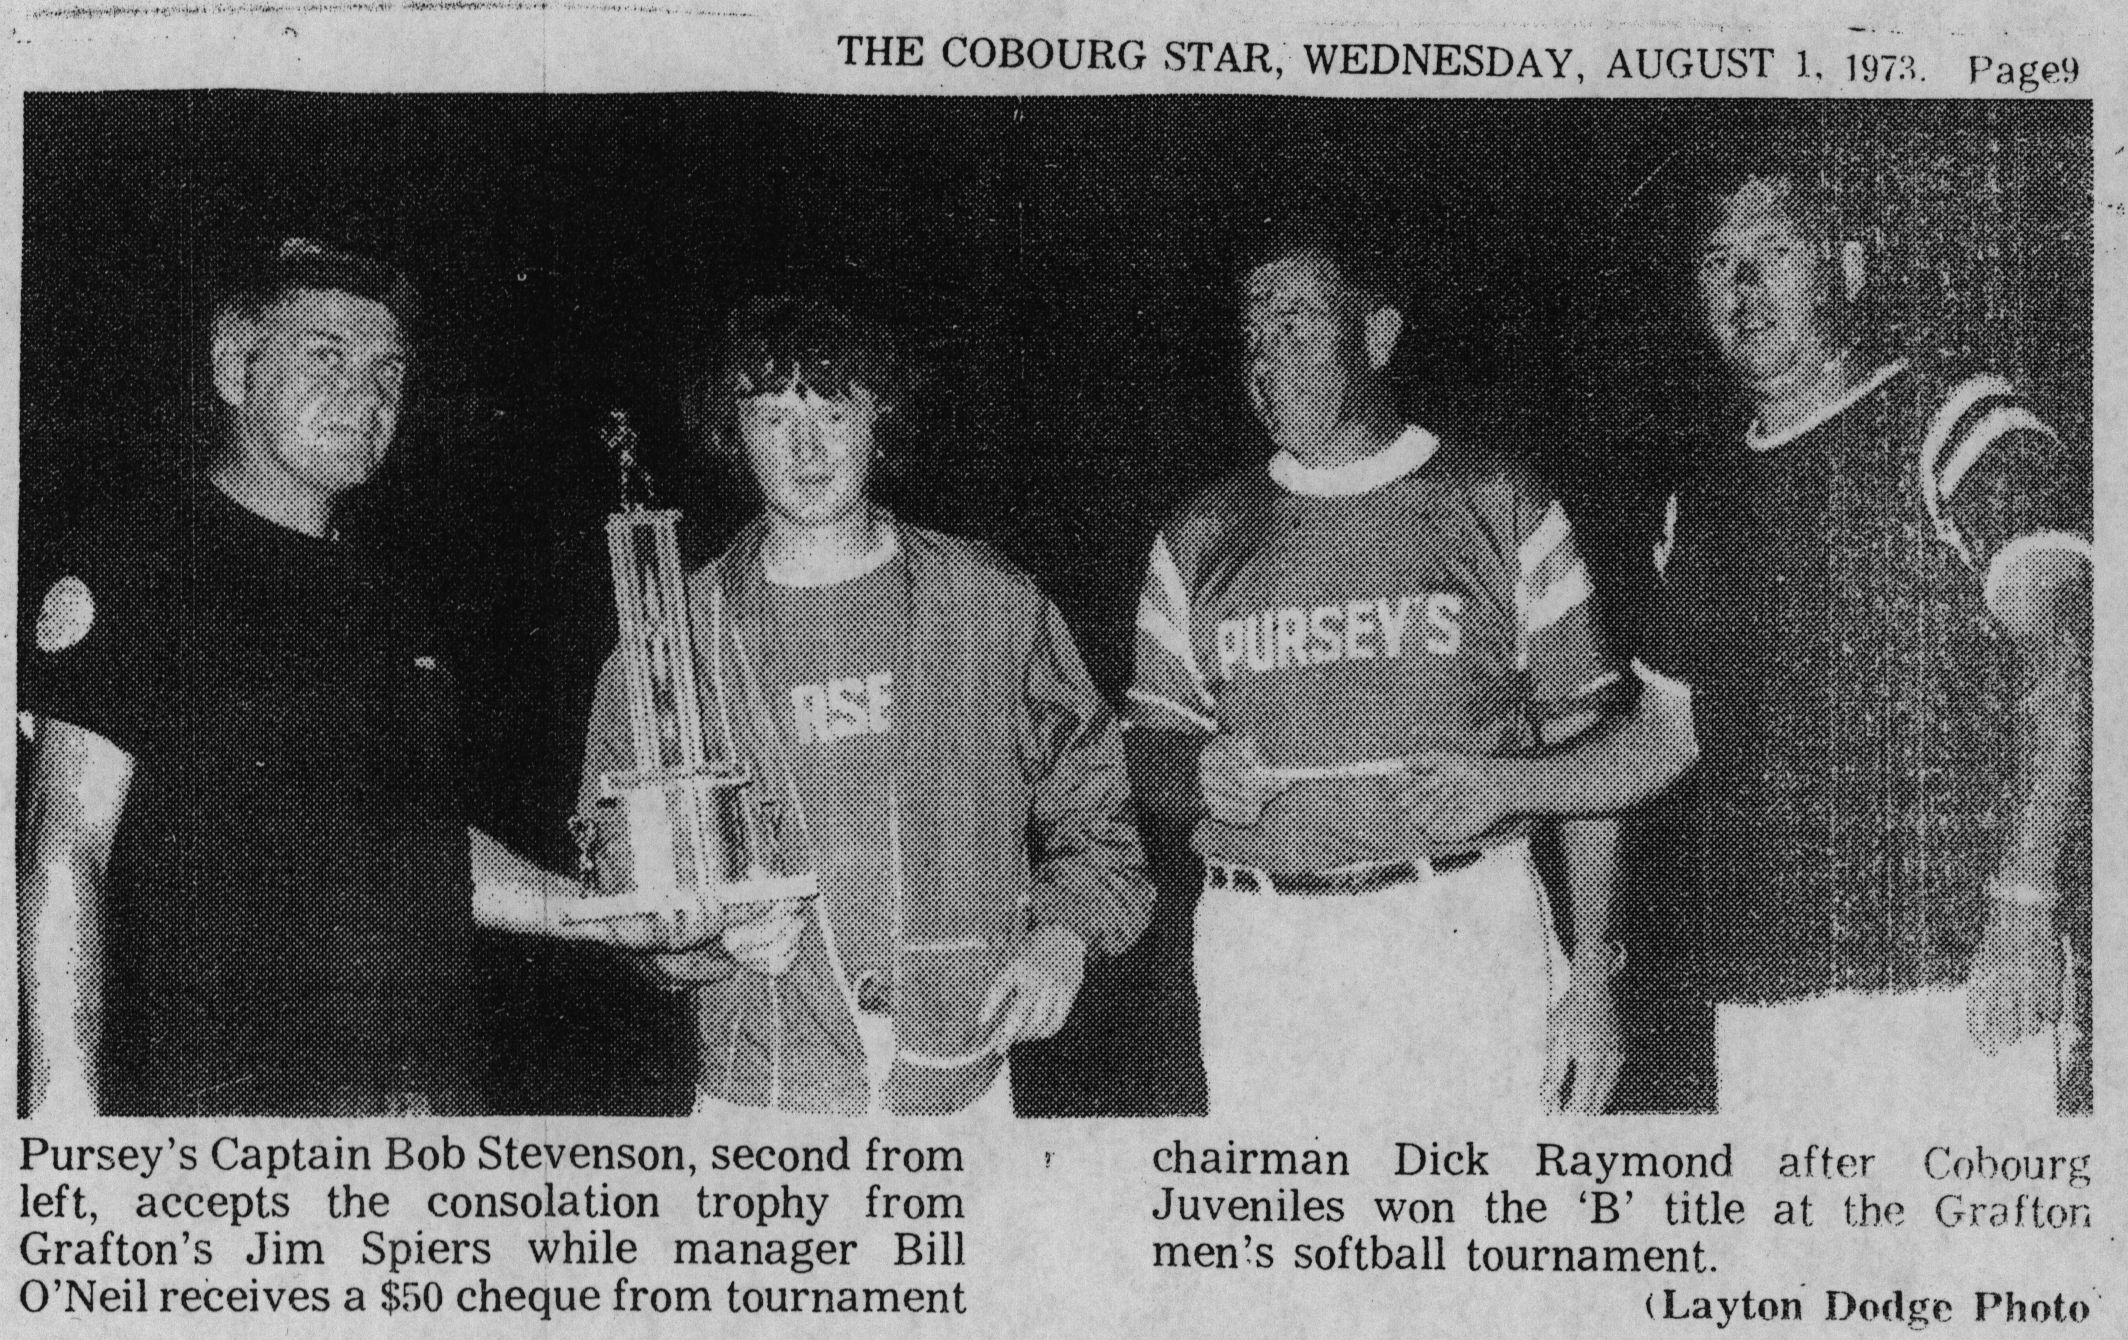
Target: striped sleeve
column 1561, row 644
column 1168, row 689
column 2000, row 481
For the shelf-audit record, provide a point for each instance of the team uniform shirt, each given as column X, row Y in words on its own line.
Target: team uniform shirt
column 828, row 660
column 289, row 894
column 1427, row 597
column 1823, row 598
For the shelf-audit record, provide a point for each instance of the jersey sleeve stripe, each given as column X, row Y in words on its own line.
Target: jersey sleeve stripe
column 1154, row 623
column 1660, row 682
column 1961, row 401
column 1170, row 628
column 1196, row 719
column 1558, row 600
column 1999, row 423
column 1591, row 687
column 1954, row 409
column 1167, row 578
column 1557, row 567
column 2007, row 557
column 1550, row 533
column 1664, row 546
column 1592, row 698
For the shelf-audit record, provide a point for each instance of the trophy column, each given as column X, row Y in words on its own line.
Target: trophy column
column 679, row 801
column 686, row 829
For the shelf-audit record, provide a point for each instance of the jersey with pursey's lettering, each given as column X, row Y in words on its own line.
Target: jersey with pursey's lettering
column 1427, row 597
column 1824, row 599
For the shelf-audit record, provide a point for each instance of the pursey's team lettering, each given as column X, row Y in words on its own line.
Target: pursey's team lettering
column 1356, row 630
column 842, row 708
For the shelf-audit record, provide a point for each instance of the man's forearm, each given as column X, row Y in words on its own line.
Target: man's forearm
column 73, row 795
column 2050, row 785
column 62, row 999
column 1609, row 770
column 1591, row 850
column 513, row 894
column 2043, row 604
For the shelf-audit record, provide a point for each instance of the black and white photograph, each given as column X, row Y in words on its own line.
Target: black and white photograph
column 1280, row 610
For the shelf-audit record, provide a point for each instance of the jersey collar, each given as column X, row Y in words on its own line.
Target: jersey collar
column 1757, row 442
column 889, row 546
column 1412, row 449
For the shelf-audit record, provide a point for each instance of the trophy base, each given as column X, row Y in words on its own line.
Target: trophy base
column 759, row 888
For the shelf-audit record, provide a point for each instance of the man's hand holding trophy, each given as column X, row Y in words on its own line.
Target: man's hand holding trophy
column 672, row 849
column 669, row 854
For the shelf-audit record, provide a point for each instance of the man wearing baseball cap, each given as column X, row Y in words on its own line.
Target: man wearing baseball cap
column 244, row 867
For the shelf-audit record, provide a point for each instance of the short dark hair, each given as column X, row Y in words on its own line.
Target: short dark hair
column 1363, row 245
column 785, row 342
column 272, row 271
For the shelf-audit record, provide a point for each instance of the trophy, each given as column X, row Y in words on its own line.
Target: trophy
column 682, row 827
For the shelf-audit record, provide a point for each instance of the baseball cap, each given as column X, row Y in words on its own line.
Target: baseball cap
column 309, row 262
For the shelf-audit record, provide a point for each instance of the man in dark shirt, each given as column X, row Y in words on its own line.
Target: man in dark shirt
column 243, row 865
column 1873, row 636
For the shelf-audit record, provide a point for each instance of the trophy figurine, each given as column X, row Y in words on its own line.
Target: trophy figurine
column 681, row 827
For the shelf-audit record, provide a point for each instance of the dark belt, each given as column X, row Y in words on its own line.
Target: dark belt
column 1366, row 879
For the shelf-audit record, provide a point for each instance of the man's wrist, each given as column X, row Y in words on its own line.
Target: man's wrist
column 71, row 1094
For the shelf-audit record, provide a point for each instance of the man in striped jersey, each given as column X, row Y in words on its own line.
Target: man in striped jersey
column 1873, row 633
column 1306, row 626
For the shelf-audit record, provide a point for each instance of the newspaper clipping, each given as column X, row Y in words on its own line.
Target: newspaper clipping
column 1119, row 669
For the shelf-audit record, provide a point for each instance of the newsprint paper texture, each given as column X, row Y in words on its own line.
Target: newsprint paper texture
column 753, row 669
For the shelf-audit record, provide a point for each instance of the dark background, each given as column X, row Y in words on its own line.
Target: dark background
column 1061, row 266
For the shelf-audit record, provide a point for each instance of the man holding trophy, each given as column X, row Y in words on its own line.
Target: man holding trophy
column 244, row 861
column 888, row 760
